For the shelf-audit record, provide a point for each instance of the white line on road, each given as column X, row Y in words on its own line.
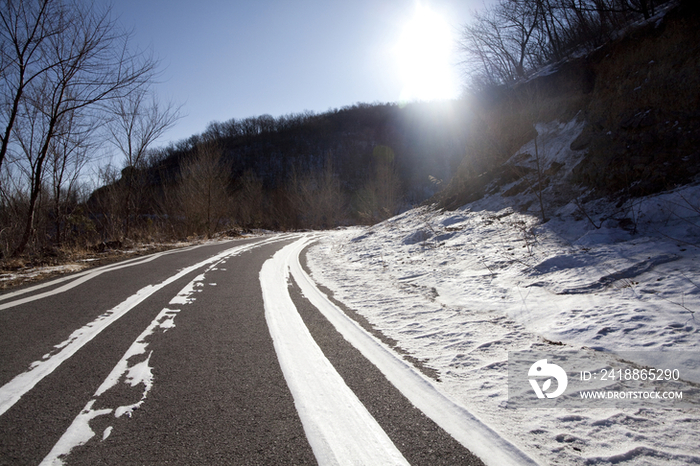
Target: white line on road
column 339, row 428
column 418, row 389
column 12, row 391
column 131, row 371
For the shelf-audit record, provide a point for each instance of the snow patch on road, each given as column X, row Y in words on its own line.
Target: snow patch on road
column 78, row 434
column 12, row 391
column 339, row 428
column 134, row 368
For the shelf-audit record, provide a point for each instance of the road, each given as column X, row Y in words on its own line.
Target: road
column 205, row 355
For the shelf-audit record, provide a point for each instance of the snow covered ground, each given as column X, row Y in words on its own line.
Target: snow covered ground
column 459, row 290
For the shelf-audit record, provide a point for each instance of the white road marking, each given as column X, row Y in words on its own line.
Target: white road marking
column 463, row 426
column 339, row 428
column 133, row 368
column 12, row 391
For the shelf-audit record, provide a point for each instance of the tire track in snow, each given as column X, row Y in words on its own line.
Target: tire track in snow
column 12, row 391
column 338, row 426
column 132, row 369
column 463, row 426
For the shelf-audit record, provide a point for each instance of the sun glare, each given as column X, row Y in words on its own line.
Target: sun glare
column 424, row 55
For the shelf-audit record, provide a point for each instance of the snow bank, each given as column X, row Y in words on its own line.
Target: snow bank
column 459, row 290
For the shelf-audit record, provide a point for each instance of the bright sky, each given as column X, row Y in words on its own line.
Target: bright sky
column 233, row 59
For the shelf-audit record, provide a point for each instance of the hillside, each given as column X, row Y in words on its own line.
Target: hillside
column 636, row 100
column 357, row 164
column 572, row 232
column 633, row 101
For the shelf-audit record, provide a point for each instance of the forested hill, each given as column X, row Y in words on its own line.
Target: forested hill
column 636, row 95
column 633, row 89
column 356, row 164
column 426, row 139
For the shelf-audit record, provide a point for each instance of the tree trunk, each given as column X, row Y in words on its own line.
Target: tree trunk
column 29, row 224
column 57, row 213
column 10, row 123
column 36, row 189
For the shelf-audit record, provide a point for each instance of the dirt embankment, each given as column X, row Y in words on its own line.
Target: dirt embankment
column 639, row 96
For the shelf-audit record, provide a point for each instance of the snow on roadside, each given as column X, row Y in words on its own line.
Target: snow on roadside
column 458, row 290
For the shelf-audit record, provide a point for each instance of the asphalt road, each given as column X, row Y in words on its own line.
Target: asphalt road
column 169, row 360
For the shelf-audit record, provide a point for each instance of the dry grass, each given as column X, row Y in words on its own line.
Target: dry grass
column 16, row 272
column 651, row 68
column 643, row 115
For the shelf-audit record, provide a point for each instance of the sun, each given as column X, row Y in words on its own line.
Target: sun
column 424, row 55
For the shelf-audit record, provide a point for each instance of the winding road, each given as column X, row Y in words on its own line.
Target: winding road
column 219, row 354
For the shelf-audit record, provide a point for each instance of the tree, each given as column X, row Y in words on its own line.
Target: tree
column 531, row 102
column 138, row 120
column 68, row 154
column 26, row 27
column 87, row 62
column 500, row 40
column 249, row 200
column 203, row 196
column 317, row 196
column 506, row 42
column 379, row 199
column 106, row 201
column 387, row 181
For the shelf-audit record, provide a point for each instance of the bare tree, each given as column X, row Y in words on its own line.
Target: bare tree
column 203, row 190
column 510, row 39
column 249, row 200
column 380, row 197
column 26, row 28
column 68, row 154
column 531, row 101
column 523, row 18
column 500, row 40
column 106, row 201
column 138, row 120
column 89, row 62
column 387, row 181
column 317, row 196
column 13, row 200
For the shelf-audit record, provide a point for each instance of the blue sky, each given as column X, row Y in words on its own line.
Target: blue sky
column 234, row 59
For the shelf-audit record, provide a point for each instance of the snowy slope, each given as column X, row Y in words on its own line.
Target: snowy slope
column 458, row 290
